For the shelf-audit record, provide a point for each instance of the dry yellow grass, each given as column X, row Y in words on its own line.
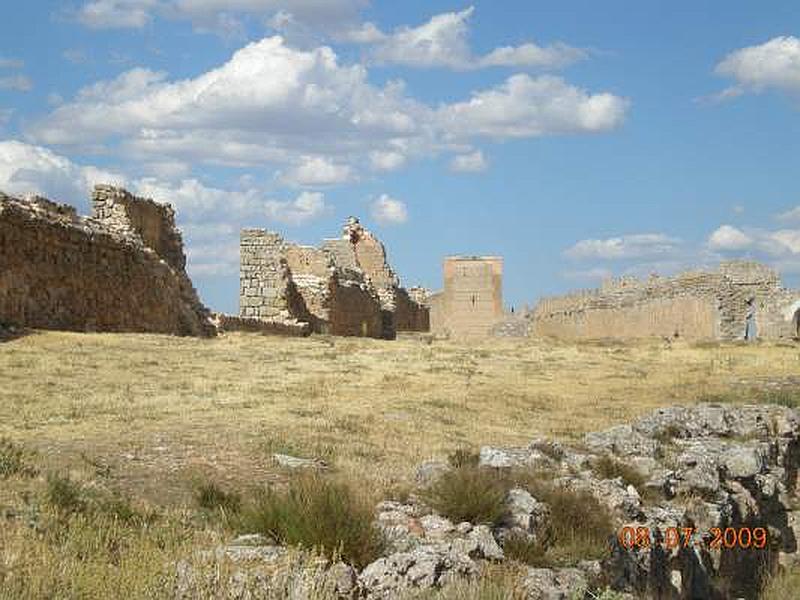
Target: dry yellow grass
column 156, row 411
column 146, row 416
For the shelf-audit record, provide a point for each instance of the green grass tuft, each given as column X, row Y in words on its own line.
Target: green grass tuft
column 469, row 494
column 317, row 514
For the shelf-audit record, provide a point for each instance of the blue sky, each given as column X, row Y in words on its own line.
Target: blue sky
column 576, row 139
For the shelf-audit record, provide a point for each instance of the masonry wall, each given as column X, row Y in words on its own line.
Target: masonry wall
column 697, row 305
column 61, row 271
column 471, row 302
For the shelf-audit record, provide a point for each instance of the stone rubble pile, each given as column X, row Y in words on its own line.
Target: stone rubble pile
column 701, row 469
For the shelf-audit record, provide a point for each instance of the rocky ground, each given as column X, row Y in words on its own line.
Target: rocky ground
column 705, row 506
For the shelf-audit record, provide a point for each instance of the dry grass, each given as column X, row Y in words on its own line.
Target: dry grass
column 143, row 418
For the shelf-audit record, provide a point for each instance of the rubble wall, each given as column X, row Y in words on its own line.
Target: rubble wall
column 62, row 271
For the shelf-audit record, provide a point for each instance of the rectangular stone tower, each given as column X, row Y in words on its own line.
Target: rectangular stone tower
column 471, row 302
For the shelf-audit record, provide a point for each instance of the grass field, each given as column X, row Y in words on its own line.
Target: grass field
column 147, row 417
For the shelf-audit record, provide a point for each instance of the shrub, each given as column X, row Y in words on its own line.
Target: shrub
column 524, row 550
column 319, row 514
column 463, row 457
column 469, row 494
column 14, row 460
column 210, row 496
column 608, row 467
column 69, row 497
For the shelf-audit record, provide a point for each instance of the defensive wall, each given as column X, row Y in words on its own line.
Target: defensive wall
column 344, row 287
column 740, row 300
column 121, row 269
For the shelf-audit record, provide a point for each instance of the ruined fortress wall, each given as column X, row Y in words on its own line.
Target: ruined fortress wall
column 410, row 314
column 353, row 309
column 696, row 305
column 471, row 302
column 281, row 280
column 266, row 287
column 154, row 223
column 61, row 271
column 689, row 317
column 307, row 260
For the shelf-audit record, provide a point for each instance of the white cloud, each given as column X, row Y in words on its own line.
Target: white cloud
column 314, row 171
column 774, row 64
column 218, row 15
column 786, row 240
column 791, row 215
column 386, row 160
column 28, row 169
column 625, row 247
column 474, row 162
column 116, row 14
column 307, row 115
column 18, row 83
column 524, row 106
column 388, row 211
column 11, row 63
column 74, row 55
column 727, row 237
column 306, row 207
column 442, row 42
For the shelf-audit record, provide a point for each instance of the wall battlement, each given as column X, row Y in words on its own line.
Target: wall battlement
column 101, row 273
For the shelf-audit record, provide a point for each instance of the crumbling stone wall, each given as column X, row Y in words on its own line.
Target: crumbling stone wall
column 61, row 271
column 345, row 287
column 695, row 305
column 471, row 303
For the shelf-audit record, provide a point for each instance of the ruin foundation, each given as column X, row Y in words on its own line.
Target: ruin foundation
column 122, row 269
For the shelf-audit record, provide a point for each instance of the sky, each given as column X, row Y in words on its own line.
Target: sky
column 577, row 140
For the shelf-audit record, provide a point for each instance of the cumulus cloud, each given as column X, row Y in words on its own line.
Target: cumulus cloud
column 640, row 245
column 218, row 15
column 443, row 42
column 727, row 237
column 382, row 160
column 116, row 14
column 791, row 215
column 10, row 63
column 314, row 171
column 525, row 106
column 29, row 169
column 774, row 64
column 389, row 211
column 18, row 83
column 272, row 105
column 474, row 162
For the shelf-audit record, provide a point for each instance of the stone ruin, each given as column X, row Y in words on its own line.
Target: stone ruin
column 471, row 303
column 740, row 300
column 344, row 287
column 120, row 270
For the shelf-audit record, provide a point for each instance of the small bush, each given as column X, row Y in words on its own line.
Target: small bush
column 69, row 497
column 210, row 496
column 14, row 460
column 607, row 467
column 463, row 457
column 580, row 525
column 469, row 494
column 66, row 495
column 318, row 514
column 522, row 549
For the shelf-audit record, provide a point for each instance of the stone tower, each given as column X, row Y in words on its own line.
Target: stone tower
column 471, row 302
